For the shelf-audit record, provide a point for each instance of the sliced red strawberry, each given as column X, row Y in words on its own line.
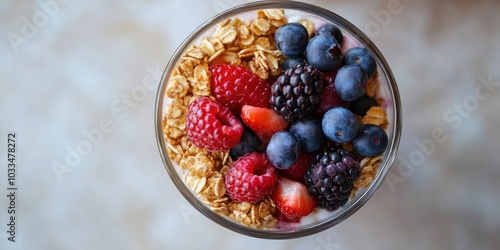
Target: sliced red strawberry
column 292, row 198
column 281, row 217
column 263, row 122
column 298, row 170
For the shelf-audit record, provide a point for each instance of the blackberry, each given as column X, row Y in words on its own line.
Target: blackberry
column 330, row 177
column 297, row 92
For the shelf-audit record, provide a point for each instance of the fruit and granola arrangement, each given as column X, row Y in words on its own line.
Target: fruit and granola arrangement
column 271, row 120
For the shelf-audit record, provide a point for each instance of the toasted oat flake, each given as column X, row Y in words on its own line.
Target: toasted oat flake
column 200, row 184
column 187, row 65
column 201, row 75
column 218, row 45
column 224, row 170
column 253, row 216
column 177, row 87
column 278, row 23
column 309, row 27
column 225, row 158
column 369, row 167
column 373, row 86
column 244, row 32
column 376, row 115
column 216, row 54
column 219, row 187
column 247, row 41
column 207, row 47
column 262, row 60
column 229, row 56
column 221, row 201
column 196, row 53
column 227, row 31
column 169, row 146
column 248, row 52
column 256, row 69
column 260, row 27
column 274, row 14
column 263, row 43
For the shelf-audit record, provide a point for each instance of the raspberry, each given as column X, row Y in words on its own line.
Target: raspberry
column 235, row 86
column 330, row 177
column 250, row 178
column 212, row 126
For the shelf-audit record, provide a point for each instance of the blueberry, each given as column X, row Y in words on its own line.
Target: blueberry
column 340, row 125
column 290, row 62
column 309, row 134
column 283, row 150
column 331, row 30
column 291, row 39
column 323, row 52
column 370, row 141
column 362, row 105
column 351, row 82
column 249, row 143
column 363, row 58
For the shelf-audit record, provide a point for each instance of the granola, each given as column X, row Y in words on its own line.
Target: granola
column 373, row 86
column 376, row 115
column 369, row 169
column 259, row 214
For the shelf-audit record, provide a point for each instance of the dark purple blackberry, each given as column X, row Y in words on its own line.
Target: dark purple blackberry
column 330, row 177
column 297, row 92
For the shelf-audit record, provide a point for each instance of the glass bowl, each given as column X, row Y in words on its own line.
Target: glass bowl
column 320, row 219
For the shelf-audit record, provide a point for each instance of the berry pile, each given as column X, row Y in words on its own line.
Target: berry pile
column 286, row 137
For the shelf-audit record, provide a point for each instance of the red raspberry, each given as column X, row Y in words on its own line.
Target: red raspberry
column 212, row 126
column 235, row 86
column 250, row 178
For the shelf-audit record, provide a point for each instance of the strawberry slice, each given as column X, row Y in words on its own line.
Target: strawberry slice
column 298, row 170
column 281, row 217
column 292, row 198
column 264, row 122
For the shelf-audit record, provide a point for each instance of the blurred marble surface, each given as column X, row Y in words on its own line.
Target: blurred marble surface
column 81, row 60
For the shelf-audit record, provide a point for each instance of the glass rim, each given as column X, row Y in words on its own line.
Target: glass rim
column 388, row 157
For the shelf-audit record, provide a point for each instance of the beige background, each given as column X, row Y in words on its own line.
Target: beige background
column 72, row 72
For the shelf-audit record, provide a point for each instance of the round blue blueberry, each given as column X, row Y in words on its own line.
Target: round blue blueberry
column 291, row 39
column 340, row 125
column 351, row 82
column 363, row 58
column 283, row 150
column 370, row 141
column 309, row 134
column 249, row 143
column 331, row 30
column 323, row 52
column 290, row 62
